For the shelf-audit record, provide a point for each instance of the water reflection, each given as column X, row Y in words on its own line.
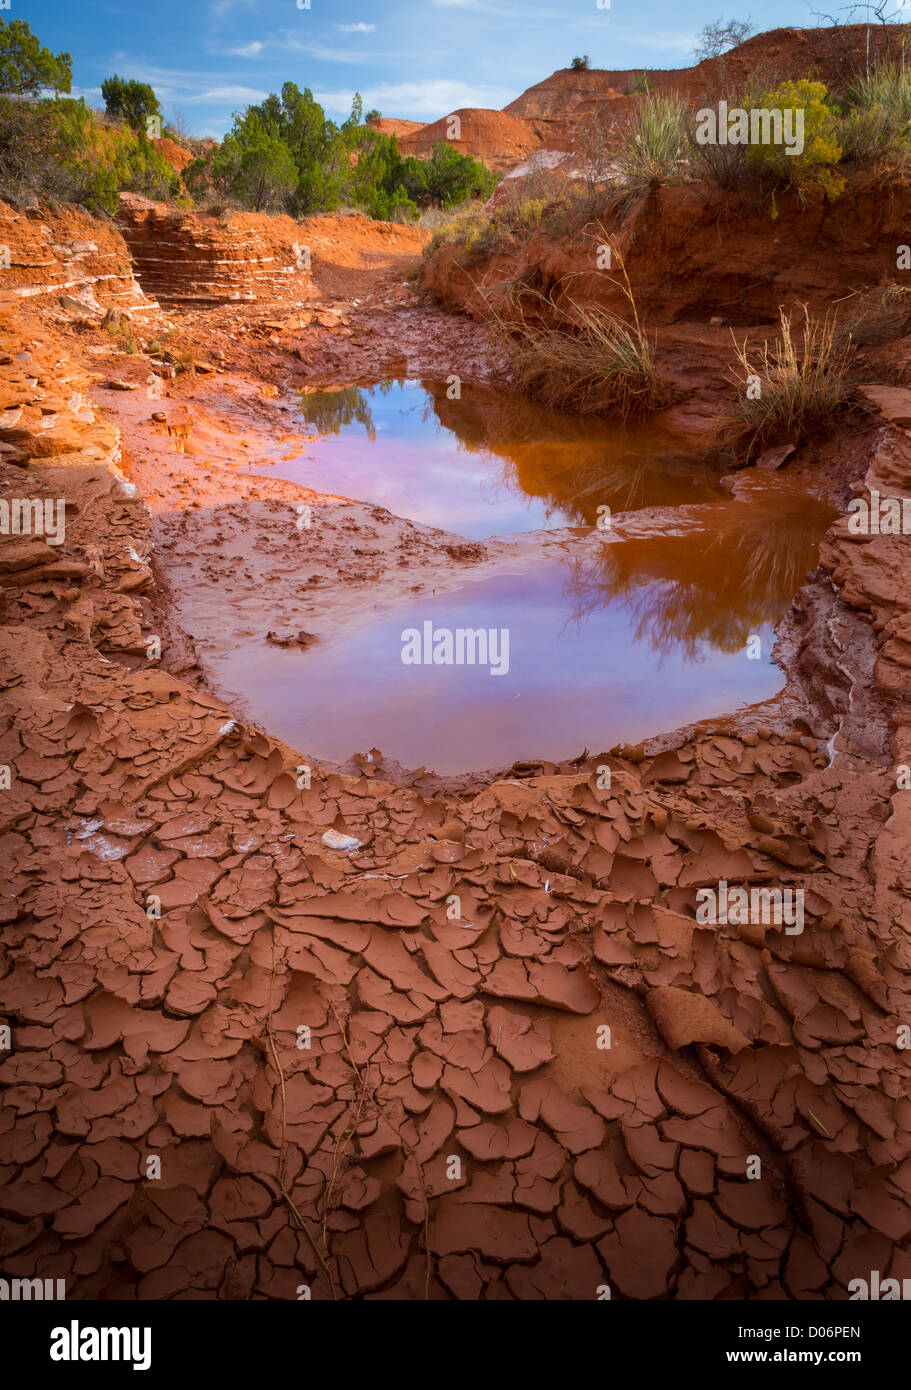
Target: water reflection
column 574, row 465
column 487, row 462
column 329, row 412
column 678, row 585
column 715, row 575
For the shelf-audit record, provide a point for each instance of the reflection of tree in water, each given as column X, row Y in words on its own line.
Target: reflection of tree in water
column 329, row 411
column 572, row 465
column 714, row 584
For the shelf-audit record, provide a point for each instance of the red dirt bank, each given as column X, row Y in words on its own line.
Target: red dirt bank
column 175, row 914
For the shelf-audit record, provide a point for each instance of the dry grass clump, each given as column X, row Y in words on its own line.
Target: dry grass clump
column 876, row 315
column 482, row 232
column 579, row 358
column 794, row 388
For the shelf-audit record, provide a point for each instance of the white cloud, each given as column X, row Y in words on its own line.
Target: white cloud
column 359, row 28
column 668, row 43
column 227, row 93
column 247, row 50
column 421, row 101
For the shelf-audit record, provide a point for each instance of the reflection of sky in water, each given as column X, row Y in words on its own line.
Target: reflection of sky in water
column 488, row 464
column 573, row 682
column 617, row 641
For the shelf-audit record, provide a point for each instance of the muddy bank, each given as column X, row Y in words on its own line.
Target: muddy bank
column 399, row 1042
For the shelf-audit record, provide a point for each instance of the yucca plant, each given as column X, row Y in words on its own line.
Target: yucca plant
column 649, row 149
column 887, row 85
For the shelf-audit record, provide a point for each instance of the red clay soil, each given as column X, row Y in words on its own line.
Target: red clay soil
column 498, row 138
column 175, row 154
column 392, row 125
column 360, row 1023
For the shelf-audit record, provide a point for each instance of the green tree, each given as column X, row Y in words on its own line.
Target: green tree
column 130, row 101
column 315, row 144
column 580, row 64
column 376, row 182
column 414, row 178
column 26, row 66
column 452, row 177
column 357, row 113
column 373, row 115
column 253, row 164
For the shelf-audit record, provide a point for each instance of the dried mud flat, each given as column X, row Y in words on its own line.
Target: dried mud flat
column 344, row 1083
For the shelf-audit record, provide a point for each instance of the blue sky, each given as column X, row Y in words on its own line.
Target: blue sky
column 414, row 58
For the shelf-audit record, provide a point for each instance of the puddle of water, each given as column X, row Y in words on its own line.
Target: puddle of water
column 626, row 634
column 581, row 673
column 491, row 463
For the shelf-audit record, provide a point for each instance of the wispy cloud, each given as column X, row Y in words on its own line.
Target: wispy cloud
column 227, row 93
column 359, row 28
column 189, row 85
column 668, row 43
column 418, row 100
column 246, row 50
column 220, row 8
column 290, row 44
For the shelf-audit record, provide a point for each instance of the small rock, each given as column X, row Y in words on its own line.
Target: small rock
column 334, row 839
column 77, row 306
column 291, row 639
column 773, row 459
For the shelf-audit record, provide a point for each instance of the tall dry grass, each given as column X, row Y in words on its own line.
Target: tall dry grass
column 803, row 383
column 576, row 357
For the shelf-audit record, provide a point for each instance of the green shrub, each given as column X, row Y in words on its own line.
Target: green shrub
column 447, row 178
column 813, row 173
column 874, row 135
column 59, row 149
